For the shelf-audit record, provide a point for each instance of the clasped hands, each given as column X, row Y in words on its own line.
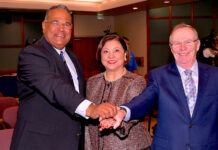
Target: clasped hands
column 110, row 116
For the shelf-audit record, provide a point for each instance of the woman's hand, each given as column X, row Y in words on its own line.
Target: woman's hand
column 114, row 122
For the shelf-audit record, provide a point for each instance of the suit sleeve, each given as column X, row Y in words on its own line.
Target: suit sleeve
column 142, row 104
column 38, row 72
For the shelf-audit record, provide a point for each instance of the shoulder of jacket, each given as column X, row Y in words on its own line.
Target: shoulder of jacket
column 96, row 77
column 134, row 77
column 37, row 47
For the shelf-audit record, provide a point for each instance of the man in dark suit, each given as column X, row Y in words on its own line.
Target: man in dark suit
column 51, row 90
column 187, row 102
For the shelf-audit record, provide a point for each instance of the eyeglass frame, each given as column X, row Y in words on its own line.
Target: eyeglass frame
column 56, row 23
column 186, row 43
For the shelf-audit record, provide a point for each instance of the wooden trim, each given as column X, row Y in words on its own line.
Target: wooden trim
column 170, row 19
column 2, row 72
column 158, row 17
column 22, row 31
column 201, row 17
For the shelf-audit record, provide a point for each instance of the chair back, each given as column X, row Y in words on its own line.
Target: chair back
column 6, row 102
column 5, row 138
column 10, row 116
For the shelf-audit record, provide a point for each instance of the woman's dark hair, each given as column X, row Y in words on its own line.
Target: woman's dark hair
column 107, row 38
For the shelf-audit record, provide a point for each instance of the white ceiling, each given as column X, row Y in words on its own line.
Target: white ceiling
column 76, row 5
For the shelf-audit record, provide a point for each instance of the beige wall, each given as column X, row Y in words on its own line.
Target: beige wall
column 90, row 26
column 133, row 26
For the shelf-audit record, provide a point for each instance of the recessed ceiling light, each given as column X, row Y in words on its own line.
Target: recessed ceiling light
column 166, row 1
column 135, row 8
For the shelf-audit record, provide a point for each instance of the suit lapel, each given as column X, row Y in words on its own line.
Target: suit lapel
column 61, row 66
column 59, row 62
column 202, row 84
column 177, row 86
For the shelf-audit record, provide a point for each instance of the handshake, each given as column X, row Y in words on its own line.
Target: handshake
column 110, row 116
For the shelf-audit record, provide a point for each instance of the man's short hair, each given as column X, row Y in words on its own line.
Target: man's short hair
column 183, row 25
column 55, row 7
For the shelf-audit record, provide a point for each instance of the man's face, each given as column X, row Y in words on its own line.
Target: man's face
column 184, row 46
column 57, row 28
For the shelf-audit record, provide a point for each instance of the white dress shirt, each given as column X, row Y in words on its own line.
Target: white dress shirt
column 81, row 109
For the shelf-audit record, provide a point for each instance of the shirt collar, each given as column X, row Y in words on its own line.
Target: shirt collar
column 194, row 69
column 59, row 50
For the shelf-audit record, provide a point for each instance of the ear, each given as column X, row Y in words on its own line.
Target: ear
column 198, row 44
column 43, row 26
column 170, row 48
column 125, row 57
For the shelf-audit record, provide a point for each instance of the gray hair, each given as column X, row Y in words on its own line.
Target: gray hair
column 57, row 7
column 183, row 25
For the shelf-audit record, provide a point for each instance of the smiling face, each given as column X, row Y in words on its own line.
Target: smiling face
column 184, row 45
column 54, row 28
column 113, row 56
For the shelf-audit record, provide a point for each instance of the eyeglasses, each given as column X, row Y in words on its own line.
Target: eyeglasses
column 56, row 23
column 186, row 43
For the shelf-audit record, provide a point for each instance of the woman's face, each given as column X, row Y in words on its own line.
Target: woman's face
column 113, row 56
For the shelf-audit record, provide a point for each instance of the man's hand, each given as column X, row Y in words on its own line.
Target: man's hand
column 119, row 118
column 114, row 122
column 101, row 111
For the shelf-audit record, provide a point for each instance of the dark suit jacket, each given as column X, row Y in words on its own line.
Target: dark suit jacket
column 48, row 100
column 176, row 129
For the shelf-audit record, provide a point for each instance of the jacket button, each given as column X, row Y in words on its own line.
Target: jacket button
column 187, row 145
column 190, row 126
column 78, row 134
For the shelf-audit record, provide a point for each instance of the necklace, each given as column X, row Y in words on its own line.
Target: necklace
column 116, row 78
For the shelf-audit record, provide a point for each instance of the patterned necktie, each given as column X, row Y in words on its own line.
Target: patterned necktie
column 190, row 90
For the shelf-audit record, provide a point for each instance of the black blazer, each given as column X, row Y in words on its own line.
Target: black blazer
column 48, row 100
